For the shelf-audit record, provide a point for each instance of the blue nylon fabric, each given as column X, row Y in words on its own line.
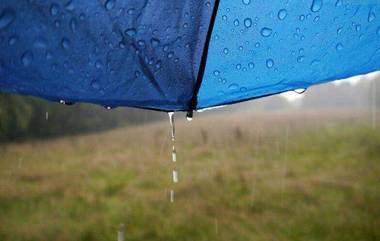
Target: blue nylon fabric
column 262, row 47
column 140, row 53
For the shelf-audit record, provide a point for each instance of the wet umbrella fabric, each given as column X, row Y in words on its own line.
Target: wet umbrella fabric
column 182, row 55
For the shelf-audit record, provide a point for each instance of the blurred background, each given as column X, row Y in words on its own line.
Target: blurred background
column 287, row 167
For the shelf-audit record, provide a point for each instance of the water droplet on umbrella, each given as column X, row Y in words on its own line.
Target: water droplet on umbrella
column 12, row 40
column 300, row 58
column 233, row 87
column 54, row 9
column 236, row 22
column 98, row 64
column 95, row 84
column 69, row 6
column 246, row 2
column 131, row 11
column 269, row 63
column 27, row 58
column 65, row 43
column 154, row 42
column 130, row 32
column 282, row 14
column 248, row 22
column 109, row 4
column 371, row 15
column 226, row 51
column 251, row 65
column 339, row 47
column 266, row 32
column 216, row 72
column 73, row 25
column 316, row 5
column 6, row 18
column 338, row 3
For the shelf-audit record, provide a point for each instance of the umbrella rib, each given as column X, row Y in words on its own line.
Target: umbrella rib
column 202, row 67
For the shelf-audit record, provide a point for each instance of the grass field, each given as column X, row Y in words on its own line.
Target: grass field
column 300, row 176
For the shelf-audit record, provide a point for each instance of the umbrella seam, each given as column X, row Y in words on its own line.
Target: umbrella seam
column 202, row 66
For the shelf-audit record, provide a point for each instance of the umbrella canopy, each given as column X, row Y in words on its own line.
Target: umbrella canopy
column 182, row 55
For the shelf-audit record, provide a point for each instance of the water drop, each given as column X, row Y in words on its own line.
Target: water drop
column 171, row 196
column 251, row 65
column 266, row 32
column 6, row 18
column 371, row 16
column 246, row 2
column 27, row 58
column 300, row 91
column 338, row 3
column 170, row 55
column 175, row 176
column 171, row 121
column 316, row 5
column 269, row 63
column 54, row 9
column 12, row 40
column 109, row 4
column 98, row 64
column 233, row 87
column 95, row 84
column 154, row 42
column 236, row 22
column 378, row 31
column 73, row 25
column 65, row 43
column 46, row 115
column 226, row 51
column 300, row 59
column 69, row 6
column 216, row 72
column 339, row 47
column 248, row 22
column 131, row 11
column 130, row 32
column 282, row 14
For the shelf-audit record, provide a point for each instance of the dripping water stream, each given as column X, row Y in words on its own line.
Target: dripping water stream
column 175, row 174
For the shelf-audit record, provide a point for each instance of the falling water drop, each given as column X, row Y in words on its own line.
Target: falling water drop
column 174, row 153
column 172, row 196
column 46, row 115
column 175, row 176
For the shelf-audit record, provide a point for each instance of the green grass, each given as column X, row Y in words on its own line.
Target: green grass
column 308, row 176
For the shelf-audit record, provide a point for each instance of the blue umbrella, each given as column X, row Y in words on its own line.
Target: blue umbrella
column 182, row 55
